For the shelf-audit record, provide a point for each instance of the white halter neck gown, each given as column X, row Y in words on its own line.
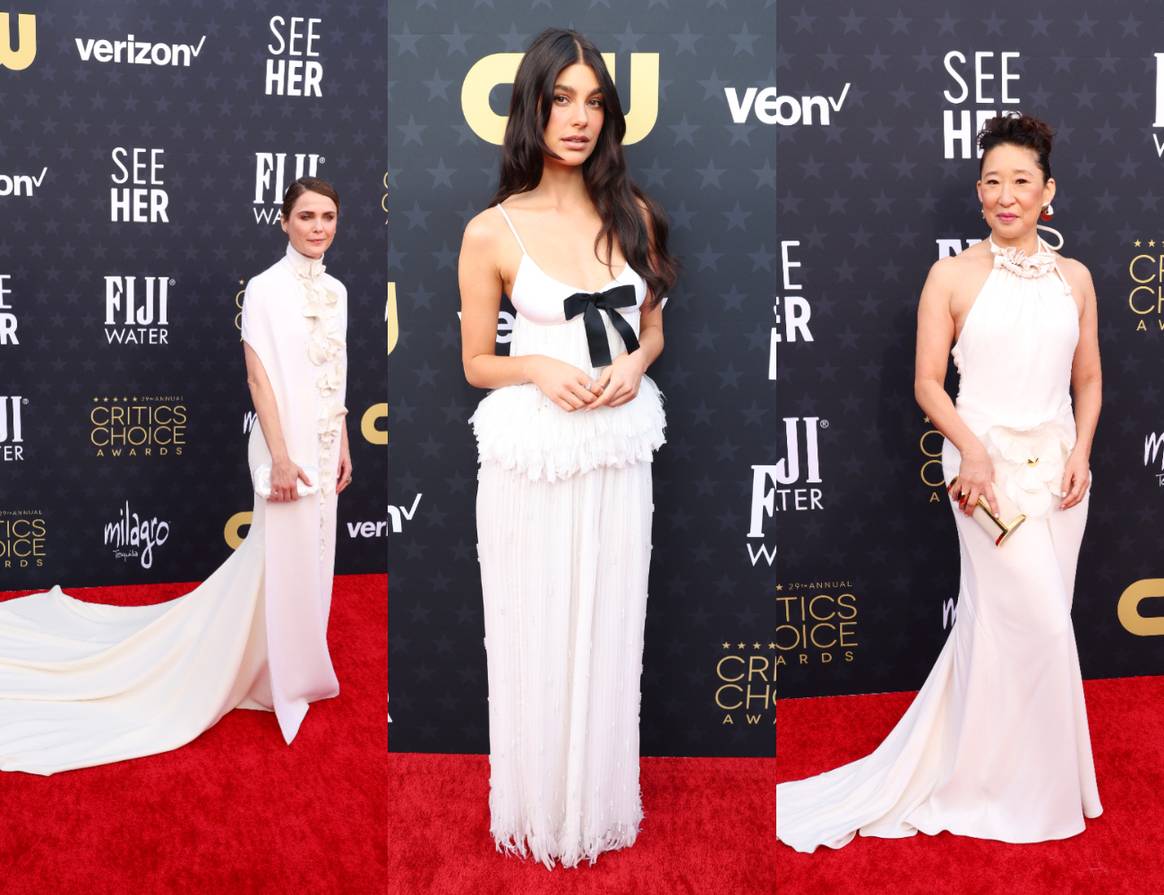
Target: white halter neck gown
column 995, row 745
column 564, row 539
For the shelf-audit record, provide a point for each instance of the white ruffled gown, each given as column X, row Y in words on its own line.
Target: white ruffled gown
column 564, row 539
column 996, row 743
column 83, row 684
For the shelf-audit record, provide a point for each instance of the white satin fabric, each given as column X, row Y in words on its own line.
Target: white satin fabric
column 563, row 525
column 996, row 743
column 83, row 684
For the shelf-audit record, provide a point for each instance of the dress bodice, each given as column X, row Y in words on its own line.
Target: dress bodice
column 520, row 428
column 1014, row 359
column 1017, row 344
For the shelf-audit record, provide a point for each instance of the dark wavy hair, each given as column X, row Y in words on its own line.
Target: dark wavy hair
column 1017, row 130
column 307, row 185
column 618, row 200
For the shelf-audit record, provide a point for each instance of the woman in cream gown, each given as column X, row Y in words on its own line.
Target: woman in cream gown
column 84, row 684
column 996, row 744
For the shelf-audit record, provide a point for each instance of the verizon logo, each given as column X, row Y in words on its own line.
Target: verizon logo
column 138, row 52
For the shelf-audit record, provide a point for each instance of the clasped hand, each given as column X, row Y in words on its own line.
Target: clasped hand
column 571, row 389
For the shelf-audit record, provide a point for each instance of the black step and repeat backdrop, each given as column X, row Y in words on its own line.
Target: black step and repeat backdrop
column 143, row 156
column 869, row 199
column 698, row 143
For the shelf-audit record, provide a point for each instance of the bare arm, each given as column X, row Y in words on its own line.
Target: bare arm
column 1087, row 385
column 481, row 286
column 935, row 337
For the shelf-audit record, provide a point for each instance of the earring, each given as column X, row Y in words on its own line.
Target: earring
column 1047, row 213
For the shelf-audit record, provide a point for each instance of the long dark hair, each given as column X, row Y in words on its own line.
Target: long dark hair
column 619, row 202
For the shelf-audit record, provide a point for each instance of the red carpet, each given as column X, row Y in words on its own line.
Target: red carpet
column 1121, row 851
column 709, row 828
column 236, row 811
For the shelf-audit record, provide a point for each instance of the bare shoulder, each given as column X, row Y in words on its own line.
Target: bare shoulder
column 1075, row 272
column 484, row 230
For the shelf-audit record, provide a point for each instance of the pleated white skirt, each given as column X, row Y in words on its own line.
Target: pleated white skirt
column 564, row 569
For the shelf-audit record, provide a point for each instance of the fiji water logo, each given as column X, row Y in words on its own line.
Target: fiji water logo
column 272, row 175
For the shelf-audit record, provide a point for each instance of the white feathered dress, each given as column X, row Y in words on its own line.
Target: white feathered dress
column 564, row 538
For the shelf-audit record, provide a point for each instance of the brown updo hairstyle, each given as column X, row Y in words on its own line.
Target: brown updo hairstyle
column 1017, row 130
column 307, row 185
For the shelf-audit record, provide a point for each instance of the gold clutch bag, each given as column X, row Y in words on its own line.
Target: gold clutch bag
column 999, row 527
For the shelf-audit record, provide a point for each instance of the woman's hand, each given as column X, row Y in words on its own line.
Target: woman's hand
column 285, row 476
column 620, row 381
column 975, row 479
column 565, row 385
column 1076, row 479
column 344, row 474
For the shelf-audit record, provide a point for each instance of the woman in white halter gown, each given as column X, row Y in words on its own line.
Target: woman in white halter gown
column 996, row 743
column 83, row 684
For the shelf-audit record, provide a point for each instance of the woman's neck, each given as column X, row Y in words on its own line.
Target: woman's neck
column 562, row 186
column 1027, row 242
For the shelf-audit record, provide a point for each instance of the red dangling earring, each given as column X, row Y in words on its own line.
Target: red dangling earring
column 1047, row 213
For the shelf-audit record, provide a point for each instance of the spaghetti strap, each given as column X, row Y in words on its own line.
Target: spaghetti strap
column 512, row 229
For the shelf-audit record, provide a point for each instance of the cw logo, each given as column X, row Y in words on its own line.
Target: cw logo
column 1128, row 608
column 20, row 58
column 368, row 428
column 500, row 68
column 233, row 531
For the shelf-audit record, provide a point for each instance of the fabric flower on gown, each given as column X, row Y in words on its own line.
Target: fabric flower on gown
column 1028, row 465
column 1021, row 264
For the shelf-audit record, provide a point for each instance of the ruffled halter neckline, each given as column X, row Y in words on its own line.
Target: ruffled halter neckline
column 1018, row 262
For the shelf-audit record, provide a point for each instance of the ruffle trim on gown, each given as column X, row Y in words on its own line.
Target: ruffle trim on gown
column 520, row 429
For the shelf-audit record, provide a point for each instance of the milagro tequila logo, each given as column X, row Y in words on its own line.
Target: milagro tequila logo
column 293, row 68
column 132, row 51
column 133, row 536
column 792, row 311
column 272, row 176
column 12, row 428
column 8, row 320
column 988, row 77
column 1154, row 454
column 137, row 310
column 790, row 485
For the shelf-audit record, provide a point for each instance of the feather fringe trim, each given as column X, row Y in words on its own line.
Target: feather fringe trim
column 520, row 429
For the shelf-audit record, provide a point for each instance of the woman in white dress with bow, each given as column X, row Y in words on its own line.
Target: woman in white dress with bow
column 996, row 743
column 83, row 684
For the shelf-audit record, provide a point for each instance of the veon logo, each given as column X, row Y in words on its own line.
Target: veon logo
column 372, row 529
column 138, row 52
column 950, row 247
column 19, row 57
column 959, row 126
column 11, row 428
column 135, row 537
column 397, row 516
column 768, row 494
column 771, row 107
column 8, row 321
column 292, row 69
column 1154, row 454
column 21, row 184
column 138, row 196
column 271, row 179
column 792, row 324
column 137, row 315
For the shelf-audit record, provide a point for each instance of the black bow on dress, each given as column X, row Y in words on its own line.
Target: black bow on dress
column 589, row 305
